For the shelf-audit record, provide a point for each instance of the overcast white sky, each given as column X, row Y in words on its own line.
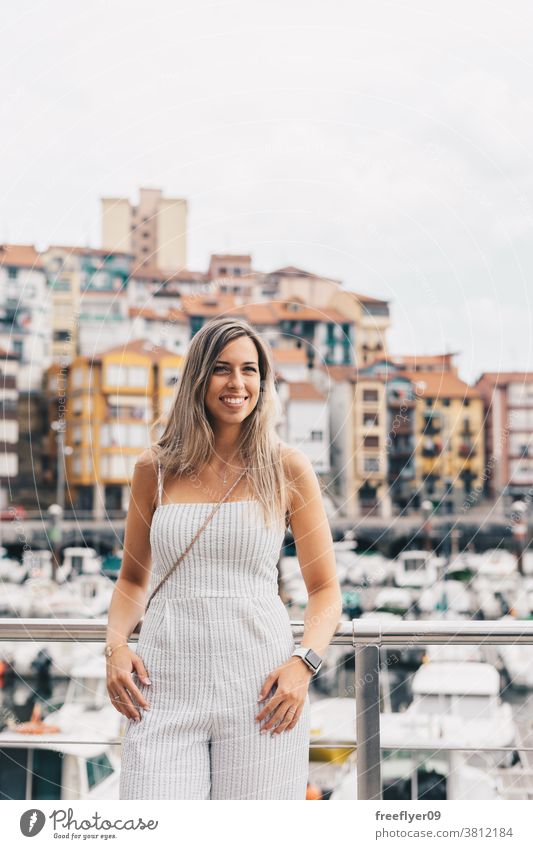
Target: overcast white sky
column 385, row 144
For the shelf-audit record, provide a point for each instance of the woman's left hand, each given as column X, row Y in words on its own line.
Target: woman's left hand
column 288, row 701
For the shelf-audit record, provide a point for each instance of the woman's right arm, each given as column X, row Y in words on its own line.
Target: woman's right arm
column 129, row 596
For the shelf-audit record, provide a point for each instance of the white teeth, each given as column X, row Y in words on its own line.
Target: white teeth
column 235, row 402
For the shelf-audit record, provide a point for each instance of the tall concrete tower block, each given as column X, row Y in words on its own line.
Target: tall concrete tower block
column 154, row 231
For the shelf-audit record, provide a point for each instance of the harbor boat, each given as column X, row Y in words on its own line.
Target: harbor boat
column 12, row 596
column 81, row 560
column 422, row 768
column 37, row 563
column 518, row 660
column 83, row 596
column 453, row 652
column 423, row 775
column 494, row 564
column 368, row 570
column 459, row 704
column 446, row 596
column 417, row 569
column 80, row 761
column 397, row 600
column 460, row 567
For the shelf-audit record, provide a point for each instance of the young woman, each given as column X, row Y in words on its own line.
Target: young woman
column 217, row 703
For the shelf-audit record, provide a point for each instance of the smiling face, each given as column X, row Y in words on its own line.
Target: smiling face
column 233, row 389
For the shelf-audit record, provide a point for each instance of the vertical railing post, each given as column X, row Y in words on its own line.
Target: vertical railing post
column 367, row 722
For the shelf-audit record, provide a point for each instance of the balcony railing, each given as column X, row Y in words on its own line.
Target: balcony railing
column 366, row 636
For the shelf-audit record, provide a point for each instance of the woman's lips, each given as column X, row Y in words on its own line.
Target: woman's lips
column 232, row 405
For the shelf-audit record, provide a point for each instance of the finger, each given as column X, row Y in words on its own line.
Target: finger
column 140, row 669
column 267, row 684
column 295, row 718
column 129, row 684
column 270, row 706
column 121, row 701
column 278, row 714
column 286, row 718
column 288, row 721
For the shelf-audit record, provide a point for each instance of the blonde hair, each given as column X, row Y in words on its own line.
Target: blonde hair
column 187, row 441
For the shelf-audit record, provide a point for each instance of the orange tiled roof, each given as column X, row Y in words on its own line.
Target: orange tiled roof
column 258, row 313
column 22, row 256
column 339, row 372
column 137, row 346
column 502, row 377
column 293, row 271
column 77, row 249
column 233, row 257
column 151, row 273
column 174, row 315
column 303, row 390
column 208, row 305
column 444, row 384
column 420, row 360
column 306, row 312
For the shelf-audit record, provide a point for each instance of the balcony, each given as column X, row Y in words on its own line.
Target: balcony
column 367, row 637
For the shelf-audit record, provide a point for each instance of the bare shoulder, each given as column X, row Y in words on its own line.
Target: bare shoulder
column 147, row 459
column 145, row 476
column 299, row 471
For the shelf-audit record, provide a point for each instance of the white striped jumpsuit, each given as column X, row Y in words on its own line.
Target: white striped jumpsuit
column 212, row 634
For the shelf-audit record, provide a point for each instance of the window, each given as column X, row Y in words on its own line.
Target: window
column 371, row 441
column 370, row 419
column 446, row 402
column 12, row 273
column 466, row 402
column 370, row 394
column 371, row 464
column 316, row 435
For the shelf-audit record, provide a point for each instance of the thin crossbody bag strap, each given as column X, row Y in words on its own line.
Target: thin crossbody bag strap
column 178, row 561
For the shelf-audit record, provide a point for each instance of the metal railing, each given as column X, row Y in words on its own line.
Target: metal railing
column 366, row 636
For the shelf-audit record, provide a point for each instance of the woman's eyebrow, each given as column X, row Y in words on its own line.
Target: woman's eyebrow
column 247, row 363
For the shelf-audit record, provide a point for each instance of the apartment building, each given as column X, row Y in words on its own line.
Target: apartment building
column 25, row 313
column 508, row 408
column 450, row 439
column 306, row 421
column 153, row 231
column 112, row 402
column 9, row 427
column 357, row 405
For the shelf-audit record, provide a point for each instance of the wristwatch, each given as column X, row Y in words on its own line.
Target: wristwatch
column 309, row 657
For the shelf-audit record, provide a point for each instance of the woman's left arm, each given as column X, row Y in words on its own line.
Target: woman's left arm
column 316, row 556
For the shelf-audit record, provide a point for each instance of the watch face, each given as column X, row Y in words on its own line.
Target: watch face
column 313, row 658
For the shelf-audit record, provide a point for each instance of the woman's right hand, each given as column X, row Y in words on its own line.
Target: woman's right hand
column 120, row 684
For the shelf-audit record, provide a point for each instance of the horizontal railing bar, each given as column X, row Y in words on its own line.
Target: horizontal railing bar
column 316, row 745
column 355, row 632
column 369, row 632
